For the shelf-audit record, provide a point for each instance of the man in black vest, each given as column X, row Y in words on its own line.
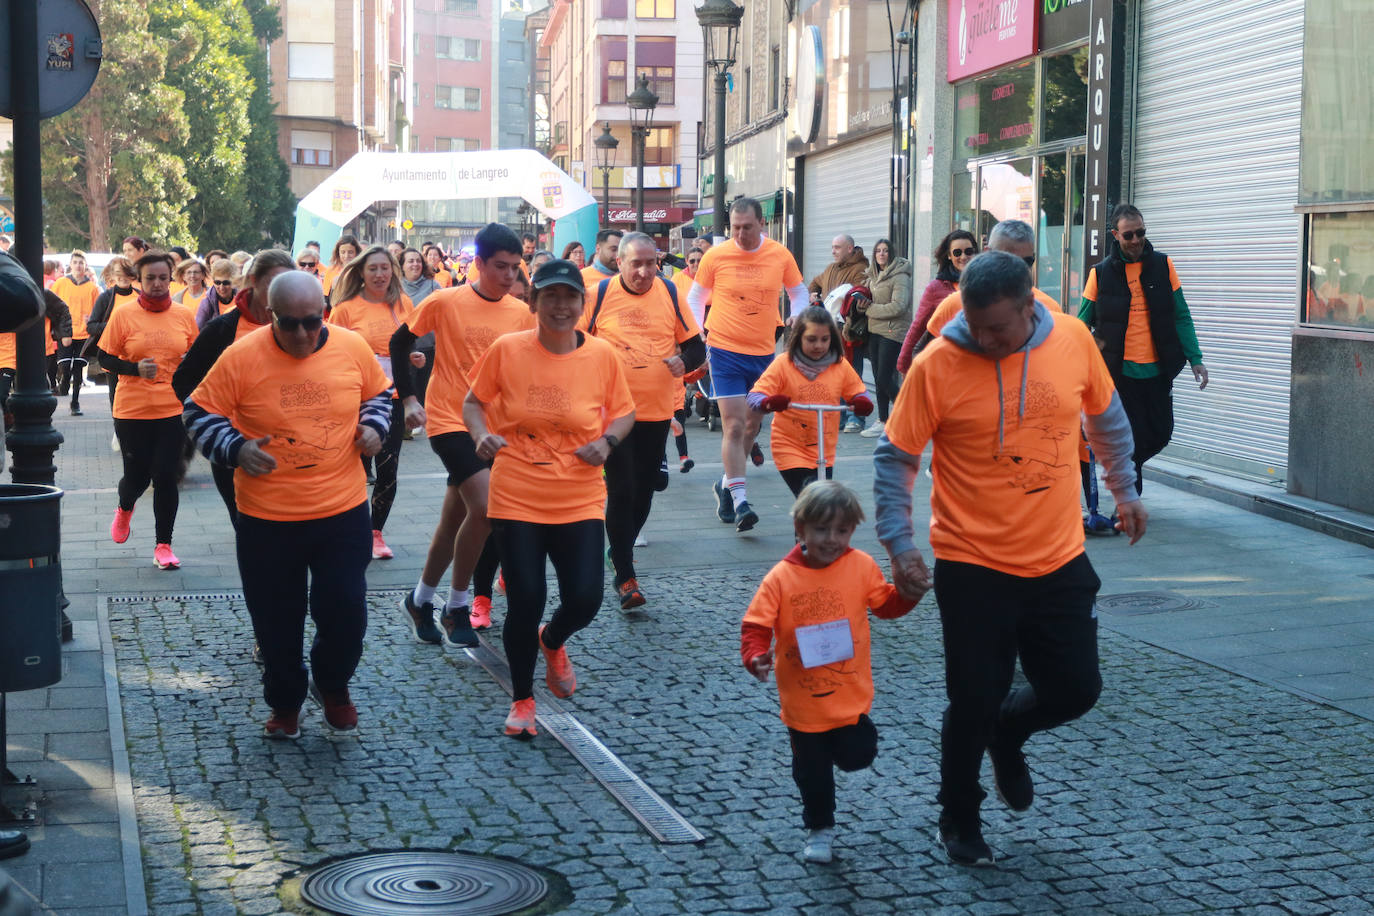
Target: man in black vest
column 1133, row 302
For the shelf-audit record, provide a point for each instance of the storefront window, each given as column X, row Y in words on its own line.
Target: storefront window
column 1340, row 270
column 1337, row 106
column 1065, row 111
column 996, row 113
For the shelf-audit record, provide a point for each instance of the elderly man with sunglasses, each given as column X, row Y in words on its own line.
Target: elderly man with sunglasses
column 1133, row 302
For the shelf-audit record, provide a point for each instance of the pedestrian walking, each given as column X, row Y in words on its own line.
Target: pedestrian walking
column 79, row 290
column 849, row 267
column 809, row 622
column 548, row 405
column 889, row 315
column 291, row 407
column 434, row 257
column 144, row 345
column 605, row 261
column 1001, row 393
column 219, row 298
column 345, row 250
column 418, row 283
column 952, row 255
column 812, row 370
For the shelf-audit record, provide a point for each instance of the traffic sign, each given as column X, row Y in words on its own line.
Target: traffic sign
column 69, row 54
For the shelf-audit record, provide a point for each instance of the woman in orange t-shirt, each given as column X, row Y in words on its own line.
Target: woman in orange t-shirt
column 434, row 258
column 548, row 405
column 369, row 300
column 345, row 250
column 145, row 343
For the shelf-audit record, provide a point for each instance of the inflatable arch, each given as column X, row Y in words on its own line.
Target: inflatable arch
column 370, row 177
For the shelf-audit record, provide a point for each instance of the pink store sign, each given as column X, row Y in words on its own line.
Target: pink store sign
column 984, row 34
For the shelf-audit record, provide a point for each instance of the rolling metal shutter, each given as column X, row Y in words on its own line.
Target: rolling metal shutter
column 845, row 190
column 1215, row 173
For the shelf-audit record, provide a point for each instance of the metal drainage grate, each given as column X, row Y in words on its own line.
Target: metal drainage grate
column 382, row 884
column 1139, row 603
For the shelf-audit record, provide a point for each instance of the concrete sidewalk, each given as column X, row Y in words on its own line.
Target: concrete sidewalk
column 1283, row 611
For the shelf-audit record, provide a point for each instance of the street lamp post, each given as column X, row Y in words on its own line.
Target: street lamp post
column 720, row 21
column 641, row 104
column 605, row 161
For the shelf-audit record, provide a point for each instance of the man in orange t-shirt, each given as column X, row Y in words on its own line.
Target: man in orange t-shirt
column 465, row 320
column 290, row 407
column 637, row 314
column 742, row 278
column 79, row 290
column 1001, row 393
column 605, row 258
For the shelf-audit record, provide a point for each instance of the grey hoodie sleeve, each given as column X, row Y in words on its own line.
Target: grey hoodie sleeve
column 894, row 474
column 1109, row 435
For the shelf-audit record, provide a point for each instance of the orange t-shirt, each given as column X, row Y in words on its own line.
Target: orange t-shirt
column 464, row 325
column 135, row 334
column 224, row 306
column 793, row 440
column 376, row 321
column 1010, row 505
column 49, row 345
column 80, row 299
column 330, row 275
column 444, row 278
column 745, row 286
column 950, row 305
column 645, row 330
column 547, row 406
column 794, row 595
column 121, row 300
column 310, row 409
column 591, row 276
column 1140, row 342
column 9, row 351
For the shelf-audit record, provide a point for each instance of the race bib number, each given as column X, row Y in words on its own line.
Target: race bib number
column 825, row 643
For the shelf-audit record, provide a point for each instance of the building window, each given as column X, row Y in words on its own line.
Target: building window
column 513, row 95
column 654, row 60
column 614, row 9
column 309, row 61
column 312, row 147
column 659, row 148
column 1340, row 270
column 456, row 145
column 774, row 71
column 461, row 7
column 460, row 98
column 655, row 9
column 612, row 69
column 515, row 51
column 448, row 47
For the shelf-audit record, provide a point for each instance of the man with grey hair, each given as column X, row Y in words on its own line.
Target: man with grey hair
column 1001, row 393
column 849, row 266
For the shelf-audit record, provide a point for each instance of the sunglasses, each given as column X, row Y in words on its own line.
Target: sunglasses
column 223, row 282
column 961, row 252
column 309, row 323
column 308, row 265
column 1130, row 234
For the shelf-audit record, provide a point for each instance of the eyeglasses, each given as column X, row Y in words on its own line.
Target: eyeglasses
column 310, row 323
column 961, row 252
column 1130, row 234
column 223, row 282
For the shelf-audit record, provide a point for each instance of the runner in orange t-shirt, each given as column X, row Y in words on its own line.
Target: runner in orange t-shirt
column 369, row 300
column 345, row 250
column 639, row 314
column 605, row 258
column 145, row 344
column 549, row 405
column 292, row 406
column 815, row 605
column 743, row 279
column 79, row 291
column 465, row 321
column 1001, row 393
column 120, row 281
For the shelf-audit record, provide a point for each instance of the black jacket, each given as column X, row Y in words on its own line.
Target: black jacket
column 1113, row 311
column 100, row 315
column 213, row 340
column 59, row 316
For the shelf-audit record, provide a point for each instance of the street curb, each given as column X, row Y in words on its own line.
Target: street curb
column 135, row 893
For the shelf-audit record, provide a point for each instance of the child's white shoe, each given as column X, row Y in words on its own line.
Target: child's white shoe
column 818, row 845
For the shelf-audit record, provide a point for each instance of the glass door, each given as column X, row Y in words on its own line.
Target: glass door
column 1074, row 272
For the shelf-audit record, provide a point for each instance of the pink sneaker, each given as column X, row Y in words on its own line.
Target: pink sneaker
column 163, row 556
column 558, row 670
column 480, row 615
column 379, row 549
column 119, row 528
column 520, row 719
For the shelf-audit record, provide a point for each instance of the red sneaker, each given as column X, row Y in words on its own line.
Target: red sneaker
column 163, row 556
column 379, row 549
column 119, row 528
column 520, row 719
column 339, row 710
column 480, row 615
column 630, row 595
column 558, row 671
column 283, row 725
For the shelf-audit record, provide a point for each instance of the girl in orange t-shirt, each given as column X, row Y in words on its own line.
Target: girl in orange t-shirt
column 548, row 405
column 815, row 604
column 345, row 250
column 369, row 300
column 810, row 371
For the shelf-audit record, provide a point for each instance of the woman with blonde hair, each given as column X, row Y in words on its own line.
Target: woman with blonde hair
column 219, row 298
column 191, row 274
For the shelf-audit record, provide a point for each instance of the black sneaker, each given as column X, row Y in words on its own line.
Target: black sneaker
column 661, row 483
column 1012, row 776
column 421, row 620
column 76, row 410
column 745, row 517
column 963, row 840
column 458, row 631
column 725, row 504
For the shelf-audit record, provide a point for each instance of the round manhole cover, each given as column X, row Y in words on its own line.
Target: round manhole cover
column 382, row 884
column 1146, row 603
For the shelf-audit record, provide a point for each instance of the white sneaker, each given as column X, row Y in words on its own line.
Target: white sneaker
column 818, row 846
column 852, row 426
column 641, row 541
column 873, row 431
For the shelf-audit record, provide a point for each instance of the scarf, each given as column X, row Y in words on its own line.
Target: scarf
column 813, row 367
column 149, row 304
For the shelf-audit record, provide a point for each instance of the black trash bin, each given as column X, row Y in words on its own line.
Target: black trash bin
column 30, row 587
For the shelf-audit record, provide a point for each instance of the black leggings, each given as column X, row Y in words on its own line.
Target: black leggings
column 224, row 483
column 797, row 478
column 152, row 454
column 484, row 574
column 388, row 461
column 814, row 758
column 632, row 471
column 71, row 371
column 883, row 354
column 574, row 548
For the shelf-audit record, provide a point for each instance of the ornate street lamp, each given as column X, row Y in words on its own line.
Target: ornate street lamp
column 605, row 161
column 720, row 20
column 641, row 103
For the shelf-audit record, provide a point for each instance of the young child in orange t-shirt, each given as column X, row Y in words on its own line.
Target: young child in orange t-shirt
column 814, row 606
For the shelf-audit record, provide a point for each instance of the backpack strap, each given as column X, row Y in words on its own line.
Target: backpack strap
column 672, row 294
column 600, row 298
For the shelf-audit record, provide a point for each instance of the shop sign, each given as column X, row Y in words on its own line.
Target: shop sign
column 1063, row 22
column 656, row 215
column 984, row 34
column 1102, row 161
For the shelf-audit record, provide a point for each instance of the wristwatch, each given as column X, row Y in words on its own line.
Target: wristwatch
column 612, row 441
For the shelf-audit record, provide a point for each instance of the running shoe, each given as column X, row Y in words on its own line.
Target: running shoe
column 745, row 517
column 283, row 726
column 1012, row 777
column 164, row 558
column 873, row 431
column 853, row 426
column 756, row 455
column 379, row 549
column 818, row 845
column 661, row 483
column 421, row 620
column 686, row 464
column 630, row 595
column 641, row 541
column 558, row 671
column 339, row 710
column 520, row 719
column 119, row 528
column 458, row 631
column 480, row 615
column 725, row 505
column 962, row 838
column 1099, row 525
column 76, row 411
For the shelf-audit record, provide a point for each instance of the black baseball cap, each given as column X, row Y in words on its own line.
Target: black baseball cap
column 552, row 273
